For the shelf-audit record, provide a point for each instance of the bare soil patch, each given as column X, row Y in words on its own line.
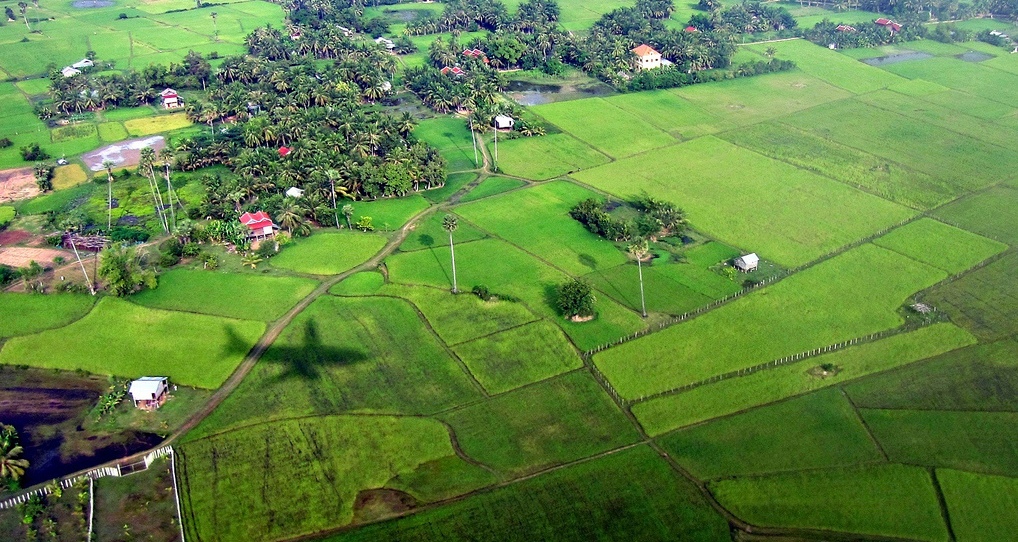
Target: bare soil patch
column 14, row 237
column 122, row 154
column 22, row 256
column 17, row 184
column 375, row 504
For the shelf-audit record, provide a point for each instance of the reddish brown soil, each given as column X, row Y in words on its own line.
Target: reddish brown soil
column 375, row 504
column 17, row 184
column 13, row 237
column 22, row 256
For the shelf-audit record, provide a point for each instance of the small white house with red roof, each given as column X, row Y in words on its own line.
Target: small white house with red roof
column 259, row 225
column 887, row 23
column 646, row 57
column 170, row 99
column 455, row 71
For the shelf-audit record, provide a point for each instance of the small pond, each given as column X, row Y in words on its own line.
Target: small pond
column 896, row 58
column 974, row 56
column 89, row 4
column 527, row 93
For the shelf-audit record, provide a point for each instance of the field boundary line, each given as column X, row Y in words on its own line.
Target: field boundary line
column 945, row 512
column 869, row 432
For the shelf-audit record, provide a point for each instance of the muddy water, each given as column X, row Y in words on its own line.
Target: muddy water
column 526, row 93
column 974, row 56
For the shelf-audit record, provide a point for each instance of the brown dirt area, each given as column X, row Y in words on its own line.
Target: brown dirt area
column 123, row 154
column 17, row 184
column 13, row 237
column 21, row 256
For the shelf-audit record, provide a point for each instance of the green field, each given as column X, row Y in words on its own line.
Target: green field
column 630, row 495
column 329, row 253
column 667, row 111
column 453, row 183
column 452, row 139
column 358, row 284
column 971, row 77
column 805, row 311
column 814, row 431
column 944, row 247
column 429, row 233
column 604, row 126
column 736, row 394
column 122, row 339
column 833, row 67
column 556, row 421
column 40, row 312
column 993, row 213
column 386, row 214
column 868, row 501
column 984, row 301
column 785, row 214
column 247, row 297
column 983, row 508
column 546, row 157
column 492, row 186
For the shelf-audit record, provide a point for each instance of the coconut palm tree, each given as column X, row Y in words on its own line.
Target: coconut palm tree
column 348, row 212
column 290, row 217
column 11, row 467
column 108, row 166
column 449, row 224
column 638, row 249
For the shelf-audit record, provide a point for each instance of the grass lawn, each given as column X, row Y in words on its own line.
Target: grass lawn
column 429, row 233
column 347, row 355
column 831, row 66
column 191, row 349
column 735, row 394
column 55, row 201
column 984, row 301
column 386, row 214
column 971, row 77
column 537, row 220
column 983, row 508
column 546, row 157
column 973, row 441
column 294, row 477
column 796, row 215
column 157, row 124
column 539, row 426
column 453, row 183
column 813, row 431
column 669, row 112
column 630, row 495
column 216, row 293
column 671, row 288
column 866, row 501
column 490, row 187
column 40, row 312
column 359, row 284
column 980, row 377
column 507, row 270
column 804, row 311
column 518, row 356
column 945, row 247
column 451, row 137
column 604, row 126
column 329, row 253
column 993, row 213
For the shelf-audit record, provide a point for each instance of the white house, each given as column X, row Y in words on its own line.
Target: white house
column 170, row 98
column 646, row 57
column 747, row 263
column 149, row 392
column 69, row 72
column 83, row 63
column 504, row 122
column 385, row 42
column 294, row 192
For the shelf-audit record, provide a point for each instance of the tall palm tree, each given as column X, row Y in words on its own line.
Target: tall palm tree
column 108, row 166
column 146, row 166
column 638, row 249
column 290, row 217
column 449, row 224
column 10, row 466
column 165, row 155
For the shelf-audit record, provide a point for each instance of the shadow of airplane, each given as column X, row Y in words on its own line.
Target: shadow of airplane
column 306, row 361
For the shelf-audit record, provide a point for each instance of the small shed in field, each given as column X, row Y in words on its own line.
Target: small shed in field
column 69, row 71
column 149, row 392
column 504, row 122
column 747, row 263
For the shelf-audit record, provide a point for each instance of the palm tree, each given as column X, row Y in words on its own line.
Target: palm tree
column 348, row 212
column 638, row 249
column 10, row 466
column 108, row 166
column 145, row 165
column 290, row 217
column 449, row 224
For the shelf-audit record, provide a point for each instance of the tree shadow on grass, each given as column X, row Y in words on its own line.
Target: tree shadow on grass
column 426, row 240
column 306, row 361
column 587, row 260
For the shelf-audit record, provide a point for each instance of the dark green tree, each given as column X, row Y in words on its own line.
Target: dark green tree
column 576, row 299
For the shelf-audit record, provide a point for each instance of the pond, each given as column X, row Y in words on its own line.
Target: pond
column 89, row 4
column 904, row 56
column 974, row 56
column 528, row 93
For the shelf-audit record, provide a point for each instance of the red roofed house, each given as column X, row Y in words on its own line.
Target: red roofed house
column 692, row 28
column 170, row 98
column 845, row 28
column 259, row 225
column 887, row 23
column 283, row 151
column 457, row 71
column 646, row 57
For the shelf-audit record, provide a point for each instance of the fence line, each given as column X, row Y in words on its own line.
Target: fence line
column 176, row 492
column 91, row 506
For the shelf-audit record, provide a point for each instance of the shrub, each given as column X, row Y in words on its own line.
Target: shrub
column 129, row 234
column 33, row 153
column 7, row 274
column 190, row 250
column 5, row 142
column 576, row 299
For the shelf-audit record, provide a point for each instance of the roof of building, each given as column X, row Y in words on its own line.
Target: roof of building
column 256, row 221
column 691, row 28
column 147, row 386
column 504, row 119
column 644, row 50
column 168, row 93
column 83, row 63
column 845, row 28
column 294, row 192
column 283, row 151
column 748, row 260
column 69, row 71
column 455, row 71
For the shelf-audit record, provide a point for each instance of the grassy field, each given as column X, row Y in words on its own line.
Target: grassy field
column 735, row 394
column 329, row 253
column 604, row 126
column 993, row 213
column 983, row 508
column 68, row 176
column 546, row 157
column 518, row 356
column 40, row 312
column 984, row 301
column 832, row 67
column 785, row 214
column 630, row 495
column 429, row 233
column 804, row 311
column 814, row 431
column 155, row 125
column 556, row 421
column 944, row 247
column 220, row 294
column 347, row 355
column 490, row 187
column 974, row 441
column 452, row 139
column 970, row 77
column 667, row 111
column 867, row 501
column 122, row 339
column 537, row 220
column 386, row 214
column 359, row 284
column 294, row 477
column 453, row 183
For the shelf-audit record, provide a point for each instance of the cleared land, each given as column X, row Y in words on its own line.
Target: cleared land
column 983, row 508
column 247, row 297
column 329, row 253
column 785, row 214
column 40, row 312
column 858, row 500
column 546, row 157
column 604, row 126
column 123, row 339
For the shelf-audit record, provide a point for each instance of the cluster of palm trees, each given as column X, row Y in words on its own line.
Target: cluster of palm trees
column 463, row 15
column 12, row 466
column 165, row 208
column 747, row 17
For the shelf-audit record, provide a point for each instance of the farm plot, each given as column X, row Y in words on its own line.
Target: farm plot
column 984, row 301
column 507, row 270
column 807, row 310
column 945, row 247
column 329, row 253
column 671, row 288
column 429, row 233
column 980, row 377
column 343, row 355
column 294, row 477
column 490, row 187
column 630, row 495
column 40, row 312
column 832, row 67
column 983, row 508
column 796, row 215
column 866, row 501
column 359, row 284
column 123, row 339
column 451, row 137
column 604, row 126
column 556, row 421
column 386, row 214
column 850, row 166
column 537, row 220
column 814, row 431
column 969, row 104
column 974, row 441
column 453, row 183
column 669, row 112
column 989, row 83
column 219, row 294
column 962, row 161
column 993, row 213
column 518, row 356
column 546, row 157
